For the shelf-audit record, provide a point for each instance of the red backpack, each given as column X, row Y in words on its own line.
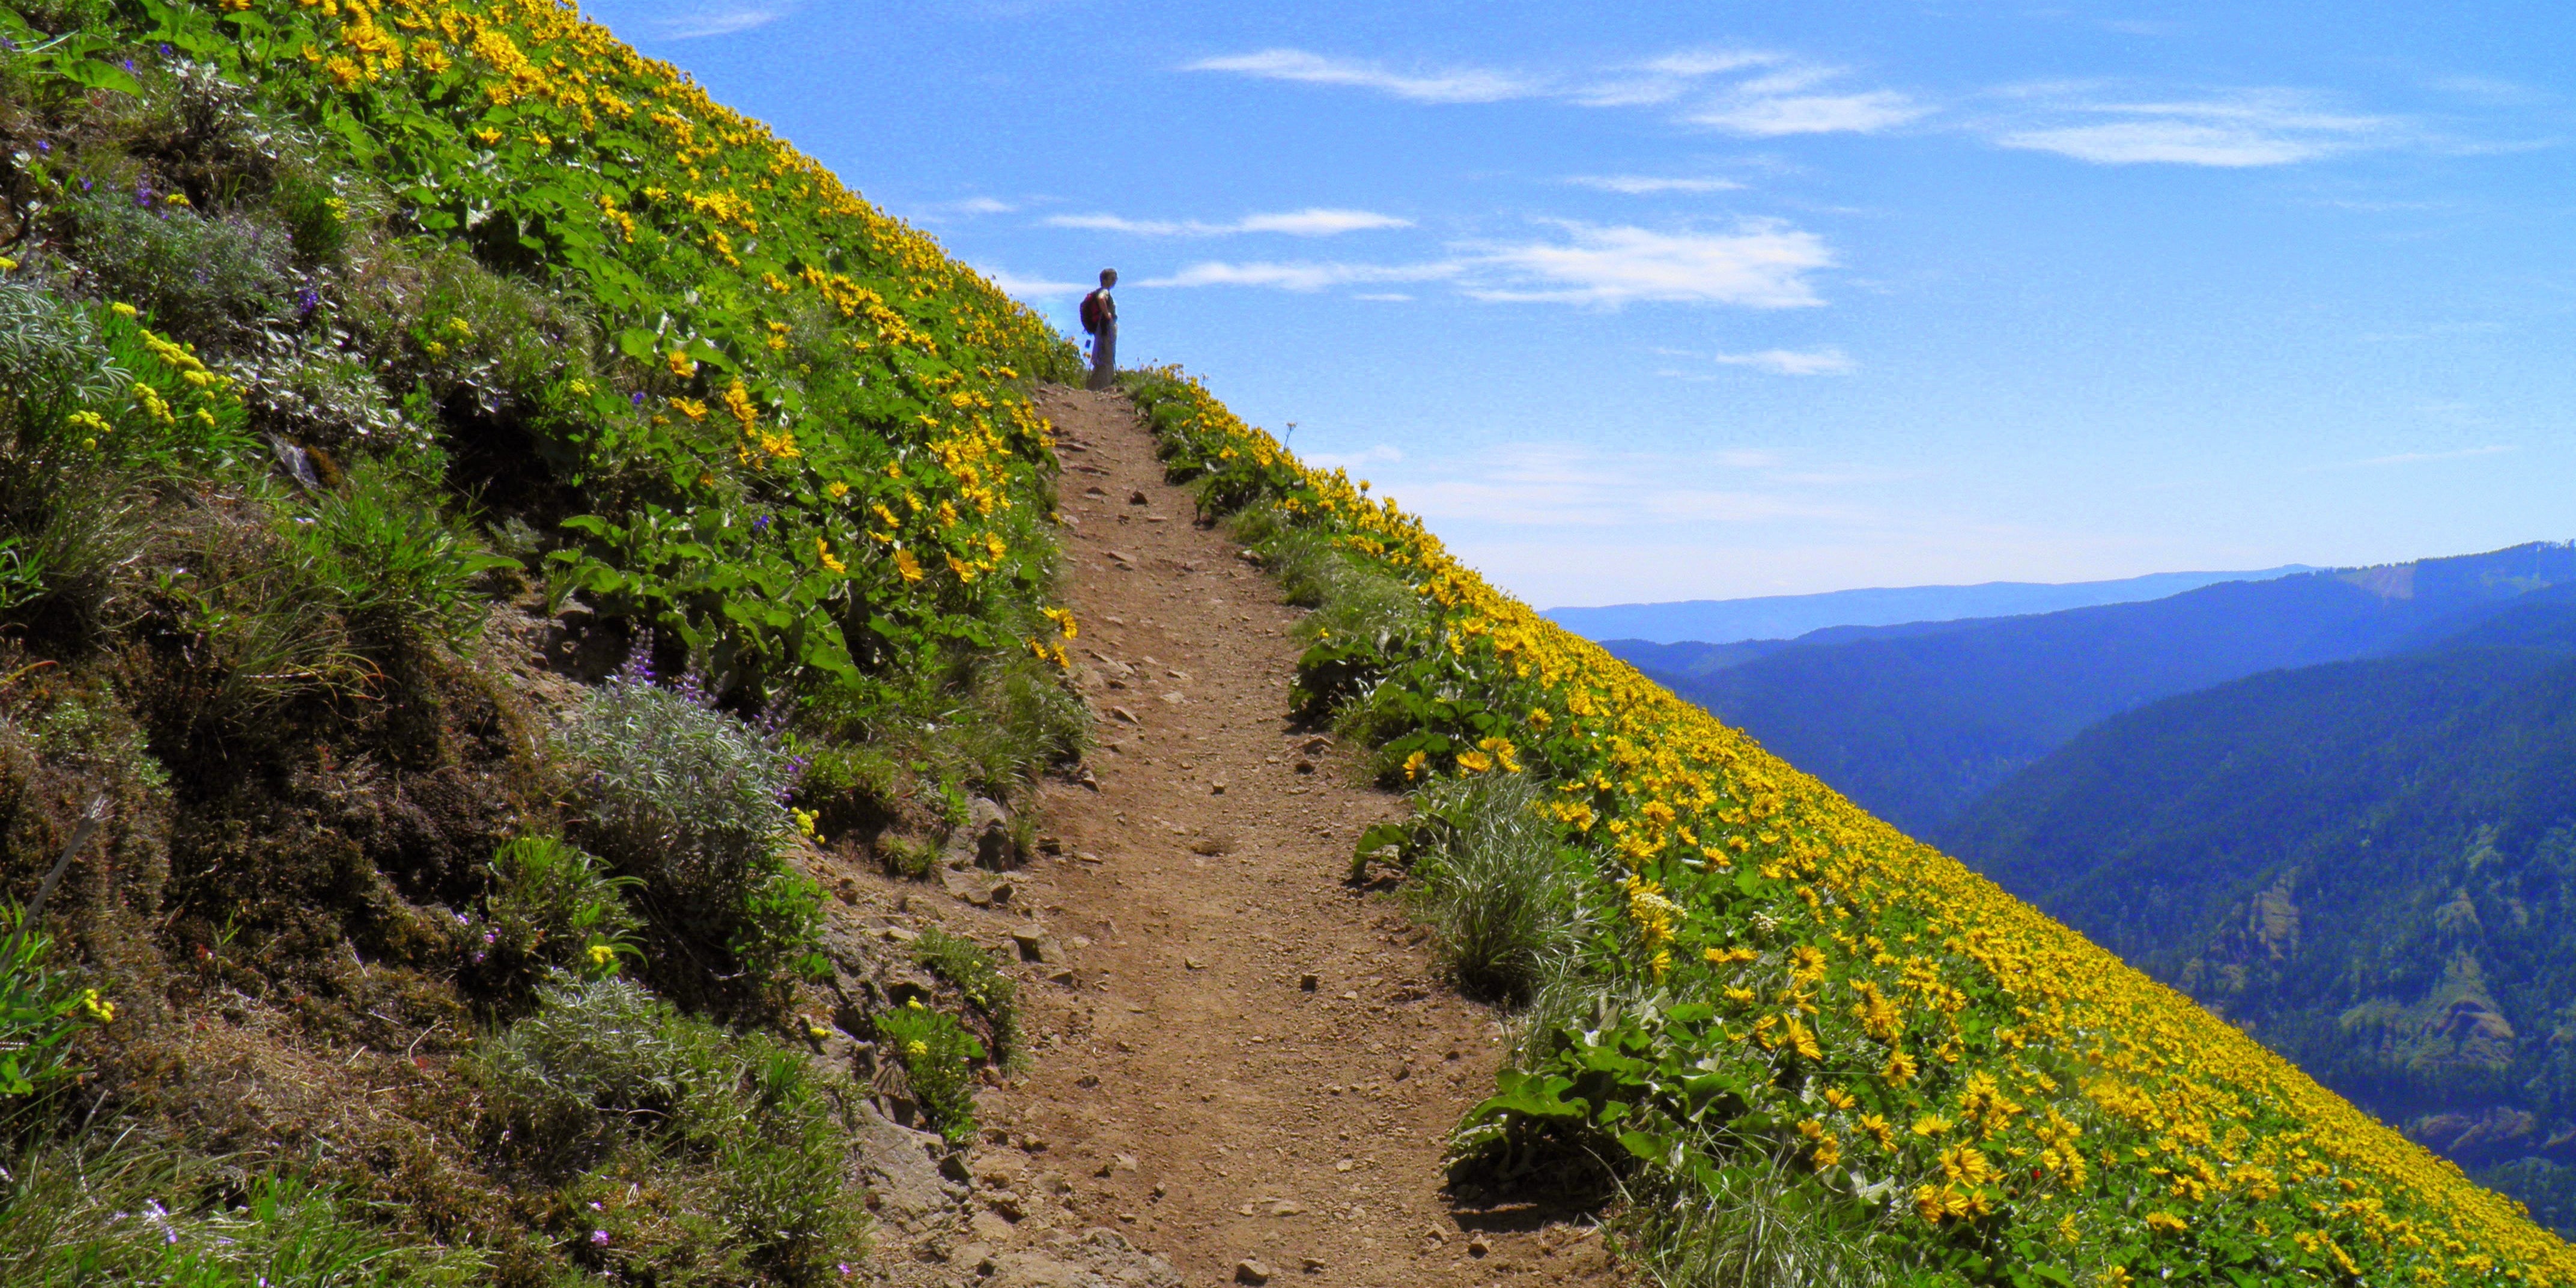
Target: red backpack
column 1092, row 313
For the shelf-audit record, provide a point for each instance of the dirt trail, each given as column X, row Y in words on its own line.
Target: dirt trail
column 1251, row 1059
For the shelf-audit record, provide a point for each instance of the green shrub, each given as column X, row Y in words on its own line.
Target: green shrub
column 194, row 275
column 40, row 1010
column 553, row 905
column 741, row 1138
column 691, row 800
column 937, row 1055
column 988, row 988
column 396, row 568
column 592, row 1047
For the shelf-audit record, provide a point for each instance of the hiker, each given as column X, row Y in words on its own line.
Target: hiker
column 1100, row 318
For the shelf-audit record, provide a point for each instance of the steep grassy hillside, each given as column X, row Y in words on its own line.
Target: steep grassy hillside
column 473, row 514
column 1808, row 1049
column 1915, row 728
column 2367, row 864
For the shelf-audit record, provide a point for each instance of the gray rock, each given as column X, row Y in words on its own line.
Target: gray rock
column 896, row 1163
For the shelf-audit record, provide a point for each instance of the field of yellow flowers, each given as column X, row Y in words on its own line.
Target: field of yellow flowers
column 809, row 423
column 1798, row 982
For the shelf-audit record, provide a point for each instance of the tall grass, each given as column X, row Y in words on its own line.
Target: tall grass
column 1489, row 880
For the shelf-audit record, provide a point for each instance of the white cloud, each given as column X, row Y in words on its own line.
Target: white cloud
column 1827, row 361
column 1642, row 185
column 2233, row 129
column 1031, row 288
column 2417, row 458
column 1774, row 100
column 1773, row 115
column 1314, row 221
column 1300, row 276
column 1462, row 85
column 1759, row 264
column 1762, row 264
column 982, row 206
column 716, row 20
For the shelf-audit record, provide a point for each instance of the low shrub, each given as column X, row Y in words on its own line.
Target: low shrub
column 553, row 906
column 193, row 274
column 592, row 1048
column 938, row 1056
column 396, row 568
column 691, row 801
column 987, row 987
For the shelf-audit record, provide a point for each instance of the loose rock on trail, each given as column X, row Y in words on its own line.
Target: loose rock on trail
column 1245, row 1068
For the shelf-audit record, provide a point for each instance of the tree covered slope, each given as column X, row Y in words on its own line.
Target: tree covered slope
column 1915, row 727
column 2369, row 865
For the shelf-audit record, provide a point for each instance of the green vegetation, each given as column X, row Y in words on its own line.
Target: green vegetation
column 359, row 366
column 1801, row 1047
column 938, row 1055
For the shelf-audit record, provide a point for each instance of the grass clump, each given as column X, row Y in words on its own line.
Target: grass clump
column 741, row 1141
column 1751, row 1225
column 987, row 987
column 554, row 906
column 395, row 568
column 128, row 1210
column 1491, row 879
column 938, row 1056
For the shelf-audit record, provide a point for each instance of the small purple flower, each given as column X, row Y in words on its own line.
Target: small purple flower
column 45, row 146
column 307, row 300
column 637, row 398
column 129, row 64
column 599, row 1238
column 490, row 936
column 85, row 185
column 760, row 524
column 166, row 51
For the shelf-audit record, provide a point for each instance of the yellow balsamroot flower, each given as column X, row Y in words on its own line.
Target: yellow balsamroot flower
column 681, row 364
column 1475, row 762
column 1503, row 751
column 836, row 490
column 993, row 542
column 689, row 407
column 2166, row 1223
column 1063, row 619
column 1931, row 1125
column 1900, row 1068
column 823, row 551
column 907, row 566
column 1413, row 765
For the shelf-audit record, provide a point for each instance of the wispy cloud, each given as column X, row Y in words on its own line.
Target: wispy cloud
column 2228, row 128
column 1302, row 275
column 1758, row 93
column 1459, row 85
column 717, row 20
column 1828, row 361
column 1570, row 486
column 1646, row 185
column 1315, row 221
column 1760, row 264
column 2418, row 458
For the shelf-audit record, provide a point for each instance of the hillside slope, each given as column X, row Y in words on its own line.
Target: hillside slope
column 1915, row 728
column 2367, row 864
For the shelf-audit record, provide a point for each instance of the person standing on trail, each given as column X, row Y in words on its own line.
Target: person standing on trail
column 1100, row 318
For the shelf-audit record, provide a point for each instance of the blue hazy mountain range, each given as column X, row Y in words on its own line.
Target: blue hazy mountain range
column 1782, row 617
column 1914, row 722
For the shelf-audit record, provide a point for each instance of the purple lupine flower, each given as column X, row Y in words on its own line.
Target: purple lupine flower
column 307, row 300
column 166, row 51
column 45, row 146
column 638, row 670
column 637, row 398
column 129, row 64
column 760, row 524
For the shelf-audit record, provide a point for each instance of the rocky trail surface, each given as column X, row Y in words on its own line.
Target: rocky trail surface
column 1245, row 1067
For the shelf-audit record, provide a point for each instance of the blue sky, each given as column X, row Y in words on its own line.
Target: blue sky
column 1691, row 301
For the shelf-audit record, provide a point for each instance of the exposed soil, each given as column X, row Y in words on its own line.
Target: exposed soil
column 1242, row 1055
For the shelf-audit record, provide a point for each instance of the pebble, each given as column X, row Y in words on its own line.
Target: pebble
column 1251, row 1270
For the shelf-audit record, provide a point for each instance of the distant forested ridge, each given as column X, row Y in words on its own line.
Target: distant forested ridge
column 2370, row 865
column 1916, row 722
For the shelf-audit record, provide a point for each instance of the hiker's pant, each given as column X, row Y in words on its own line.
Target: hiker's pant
column 1104, row 357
